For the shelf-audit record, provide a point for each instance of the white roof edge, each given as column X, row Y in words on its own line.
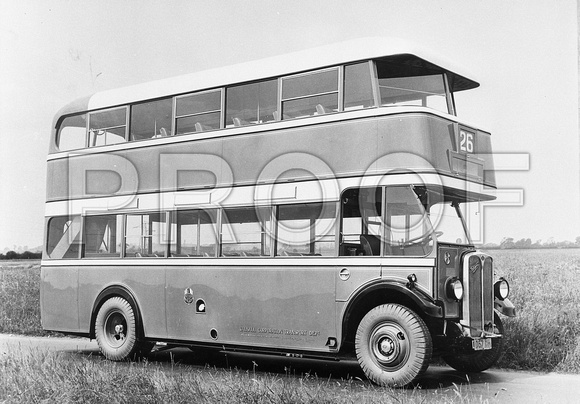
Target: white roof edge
column 293, row 62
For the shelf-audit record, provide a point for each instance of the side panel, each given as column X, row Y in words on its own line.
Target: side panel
column 59, row 298
column 449, row 264
column 351, row 147
column 364, row 270
column 282, row 306
column 146, row 283
column 358, row 274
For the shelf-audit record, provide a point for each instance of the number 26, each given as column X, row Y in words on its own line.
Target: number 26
column 466, row 141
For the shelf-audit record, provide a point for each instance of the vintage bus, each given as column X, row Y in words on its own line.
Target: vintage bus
column 307, row 205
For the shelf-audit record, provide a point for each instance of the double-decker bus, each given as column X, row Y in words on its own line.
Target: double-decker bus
column 306, row 205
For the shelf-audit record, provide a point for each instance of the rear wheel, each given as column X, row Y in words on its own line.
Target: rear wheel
column 116, row 331
column 393, row 345
column 478, row 361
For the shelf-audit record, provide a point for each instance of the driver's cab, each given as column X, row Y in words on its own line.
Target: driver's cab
column 401, row 220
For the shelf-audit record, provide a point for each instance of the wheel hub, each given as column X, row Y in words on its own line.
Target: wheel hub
column 119, row 331
column 386, row 346
column 115, row 329
column 389, row 345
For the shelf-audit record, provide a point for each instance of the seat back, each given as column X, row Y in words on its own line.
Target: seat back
column 370, row 244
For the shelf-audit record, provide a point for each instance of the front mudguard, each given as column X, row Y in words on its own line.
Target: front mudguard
column 505, row 307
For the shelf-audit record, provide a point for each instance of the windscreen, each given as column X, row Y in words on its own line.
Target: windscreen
column 407, row 84
column 448, row 223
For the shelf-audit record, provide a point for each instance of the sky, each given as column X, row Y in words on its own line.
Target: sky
column 523, row 52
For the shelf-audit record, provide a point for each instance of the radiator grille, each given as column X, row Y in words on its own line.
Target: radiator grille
column 478, row 299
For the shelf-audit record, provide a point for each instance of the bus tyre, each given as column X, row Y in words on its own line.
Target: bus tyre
column 478, row 361
column 393, row 345
column 116, row 331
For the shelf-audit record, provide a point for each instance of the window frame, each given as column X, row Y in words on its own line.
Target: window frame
column 165, row 243
column 425, row 222
column 339, row 86
column 213, row 213
column 311, row 228
column 121, row 234
column 227, row 88
column 89, row 130
column 59, row 128
column 371, row 66
column 221, row 111
column 78, row 243
column 364, row 225
column 267, row 241
column 149, row 101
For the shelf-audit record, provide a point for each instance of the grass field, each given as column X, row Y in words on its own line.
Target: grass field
column 545, row 336
column 20, row 297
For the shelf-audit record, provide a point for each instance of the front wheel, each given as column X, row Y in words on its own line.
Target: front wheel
column 393, row 345
column 116, row 331
column 478, row 361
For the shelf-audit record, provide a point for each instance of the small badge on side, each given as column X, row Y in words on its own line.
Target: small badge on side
column 188, row 296
column 447, row 258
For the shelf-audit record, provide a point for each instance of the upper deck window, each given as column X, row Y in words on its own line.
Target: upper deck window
column 151, row 119
column 358, row 90
column 310, row 94
column 198, row 112
column 107, row 127
column 408, row 85
column 72, row 133
column 251, row 103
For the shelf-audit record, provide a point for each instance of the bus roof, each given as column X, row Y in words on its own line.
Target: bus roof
column 290, row 63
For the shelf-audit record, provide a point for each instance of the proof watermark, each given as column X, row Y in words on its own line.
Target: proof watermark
column 296, row 202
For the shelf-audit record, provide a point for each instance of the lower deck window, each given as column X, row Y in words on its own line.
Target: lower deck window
column 374, row 221
column 145, row 235
column 384, row 222
column 306, row 229
column 361, row 221
column 103, row 236
column 408, row 230
column 193, row 234
column 246, row 232
column 64, row 237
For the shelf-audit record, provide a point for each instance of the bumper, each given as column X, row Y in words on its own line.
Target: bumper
column 505, row 307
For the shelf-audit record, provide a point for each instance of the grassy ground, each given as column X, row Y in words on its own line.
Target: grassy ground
column 20, row 297
column 544, row 336
column 41, row 376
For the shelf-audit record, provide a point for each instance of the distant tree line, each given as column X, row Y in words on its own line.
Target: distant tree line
column 26, row 255
column 509, row 243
